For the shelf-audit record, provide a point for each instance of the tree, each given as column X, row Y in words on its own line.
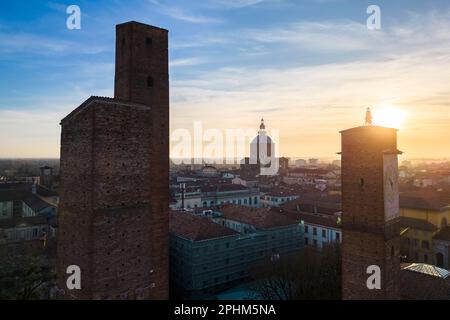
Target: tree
column 309, row 274
column 25, row 277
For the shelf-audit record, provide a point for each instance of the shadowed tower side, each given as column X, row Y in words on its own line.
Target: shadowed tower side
column 113, row 220
column 370, row 210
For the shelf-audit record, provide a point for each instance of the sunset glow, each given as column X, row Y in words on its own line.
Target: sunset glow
column 390, row 117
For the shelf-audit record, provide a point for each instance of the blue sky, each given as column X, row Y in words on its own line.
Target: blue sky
column 310, row 67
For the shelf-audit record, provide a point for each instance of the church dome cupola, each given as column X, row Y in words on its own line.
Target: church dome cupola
column 261, row 146
column 262, row 126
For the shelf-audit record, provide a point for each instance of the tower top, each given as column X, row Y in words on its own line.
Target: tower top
column 369, row 118
column 262, row 126
column 142, row 74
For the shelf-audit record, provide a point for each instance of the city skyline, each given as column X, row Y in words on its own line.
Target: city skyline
column 310, row 69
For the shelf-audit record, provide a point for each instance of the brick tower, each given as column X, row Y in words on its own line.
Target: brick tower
column 113, row 214
column 370, row 209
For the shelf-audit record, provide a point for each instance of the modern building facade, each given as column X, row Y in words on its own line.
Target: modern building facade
column 214, row 195
column 213, row 252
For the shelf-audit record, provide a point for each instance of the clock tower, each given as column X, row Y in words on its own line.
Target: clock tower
column 370, row 205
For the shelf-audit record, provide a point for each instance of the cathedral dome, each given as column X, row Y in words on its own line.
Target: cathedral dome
column 261, row 146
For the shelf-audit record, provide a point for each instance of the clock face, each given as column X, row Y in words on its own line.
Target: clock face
column 391, row 201
column 390, row 182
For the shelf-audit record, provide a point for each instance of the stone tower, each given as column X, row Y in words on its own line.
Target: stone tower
column 370, row 207
column 113, row 214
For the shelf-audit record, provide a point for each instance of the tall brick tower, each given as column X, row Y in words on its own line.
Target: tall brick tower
column 113, row 214
column 370, row 209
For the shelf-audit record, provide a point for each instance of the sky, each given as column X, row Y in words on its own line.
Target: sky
column 310, row 68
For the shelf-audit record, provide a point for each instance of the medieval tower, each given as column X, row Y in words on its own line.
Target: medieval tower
column 370, row 206
column 113, row 220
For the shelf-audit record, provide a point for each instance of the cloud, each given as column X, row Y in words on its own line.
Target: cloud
column 406, row 65
column 238, row 3
column 185, row 62
column 319, row 36
column 42, row 45
column 178, row 13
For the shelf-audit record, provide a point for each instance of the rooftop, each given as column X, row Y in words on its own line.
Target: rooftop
column 262, row 218
column 425, row 199
column 196, row 228
column 417, row 224
column 330, row 221
column 36, row 203
column 427, row 269
column 223, row 188
column 96, row 99
column 443, row 234
column 309, row 171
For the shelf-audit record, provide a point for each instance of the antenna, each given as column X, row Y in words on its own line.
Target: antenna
column 369, row 118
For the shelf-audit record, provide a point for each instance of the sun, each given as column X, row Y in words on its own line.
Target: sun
column 389, row 116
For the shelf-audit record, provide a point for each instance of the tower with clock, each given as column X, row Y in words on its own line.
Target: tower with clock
column 370, row 205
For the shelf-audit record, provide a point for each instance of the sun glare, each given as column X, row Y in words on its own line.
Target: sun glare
column 389, row 117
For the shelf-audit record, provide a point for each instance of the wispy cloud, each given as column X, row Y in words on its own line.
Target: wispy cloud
column 181, row 14
column 406, row 65
column 42, row 45
column 186, row 62
column 238, row 3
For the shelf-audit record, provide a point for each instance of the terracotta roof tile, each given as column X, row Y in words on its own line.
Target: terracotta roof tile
column 263, row 218
column 196, row 228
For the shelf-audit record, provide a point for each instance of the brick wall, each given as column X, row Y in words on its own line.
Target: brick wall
column 113, row 217
column 367, row 238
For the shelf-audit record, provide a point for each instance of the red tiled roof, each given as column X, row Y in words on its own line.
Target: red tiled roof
column 196, row 228
column 418, row 224
column 418, row 285
column 330, row 221
column 443, row 234
column 324, row 203
column 262, row 218
column 223, row 188
column 309, row 171
column 425, row 199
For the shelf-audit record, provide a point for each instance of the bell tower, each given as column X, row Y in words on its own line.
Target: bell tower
column 113, row 216
column 370, row 205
